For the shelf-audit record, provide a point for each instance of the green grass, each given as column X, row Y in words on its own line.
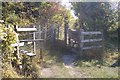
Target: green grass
column 59, row 72
column 103, row 72
column 10, row 73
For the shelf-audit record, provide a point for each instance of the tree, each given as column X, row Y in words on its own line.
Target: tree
column 24, row 13
column 95, row 15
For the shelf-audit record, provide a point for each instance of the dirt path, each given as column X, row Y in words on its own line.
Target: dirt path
column 69, row 64
column 67, row 70
column 47, row 73
column 69, row 59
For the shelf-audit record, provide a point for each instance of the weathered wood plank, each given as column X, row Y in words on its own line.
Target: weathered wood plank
column 84, row 48
column 81, row 39
column 91, row 40
column 31, row 40
column 39, row 32
column 34, row 43
column 91, row 33
column 26, row 29
column 30, row 54
column 66, row 26
column 18, row 44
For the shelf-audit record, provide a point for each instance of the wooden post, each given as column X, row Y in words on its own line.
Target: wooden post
column 58, row 31
column 65, row 33
column 18, row 45
column 103, row 45
column 34, row 43
column 54, row 37
column 41, row 55
column 69, row 42
column 40, row 32
column 17, row 39
column 81, row 39
column 52, row 34
column 45, row 33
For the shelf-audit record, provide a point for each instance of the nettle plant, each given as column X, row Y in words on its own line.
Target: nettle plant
column 8, row 39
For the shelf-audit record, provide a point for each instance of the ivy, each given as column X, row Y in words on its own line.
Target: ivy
column 7, row 49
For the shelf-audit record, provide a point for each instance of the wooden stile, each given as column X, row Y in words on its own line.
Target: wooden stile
column 26, row 29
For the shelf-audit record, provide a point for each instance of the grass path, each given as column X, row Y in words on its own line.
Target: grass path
column 69, row 64
column 67, row 70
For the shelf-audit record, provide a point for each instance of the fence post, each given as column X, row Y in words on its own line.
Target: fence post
column 45, row 33
column 81, row 39
column 34, row 43
column 65, row 33
column 58, row 31
column 103, row 45
column 69, row 40
column 52, row 34
column 39, row 31
column 17, row 39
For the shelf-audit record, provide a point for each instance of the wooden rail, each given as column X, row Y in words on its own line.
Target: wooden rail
column 31, row 40
column 18, row 44
column 78, row 38
column 26, row 29
column 91, row 40
column 91, row 47
column 91, row 33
